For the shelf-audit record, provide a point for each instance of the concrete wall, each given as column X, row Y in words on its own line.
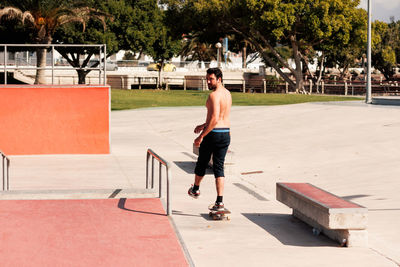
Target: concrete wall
column 54, row 120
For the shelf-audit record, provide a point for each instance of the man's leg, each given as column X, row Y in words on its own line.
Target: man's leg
column 200, row 169
column 197, row 179
column 194, row 190
column 219, row 154
column 219, row 182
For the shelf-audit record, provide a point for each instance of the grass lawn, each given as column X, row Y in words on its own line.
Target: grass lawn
column 131, row 99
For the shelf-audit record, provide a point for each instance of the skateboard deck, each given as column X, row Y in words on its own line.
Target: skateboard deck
column 220, row 214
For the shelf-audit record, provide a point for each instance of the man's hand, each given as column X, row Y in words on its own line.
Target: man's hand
column 199, row 128
column 198, row 141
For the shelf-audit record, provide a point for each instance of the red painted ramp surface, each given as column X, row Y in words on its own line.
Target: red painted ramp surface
column 106, row 232
column 54, row 119
column 319, row 195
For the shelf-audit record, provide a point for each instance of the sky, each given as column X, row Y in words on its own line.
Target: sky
column 383, row 9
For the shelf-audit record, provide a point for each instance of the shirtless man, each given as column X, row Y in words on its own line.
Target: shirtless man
column 214, row 137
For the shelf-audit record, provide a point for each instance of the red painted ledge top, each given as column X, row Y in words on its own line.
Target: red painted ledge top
column 321, row 196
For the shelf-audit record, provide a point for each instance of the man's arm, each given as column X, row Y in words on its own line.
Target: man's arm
column 199, row 128
column 212, row 118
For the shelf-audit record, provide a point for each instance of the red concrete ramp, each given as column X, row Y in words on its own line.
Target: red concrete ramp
column 106, row 232
column 44, row 119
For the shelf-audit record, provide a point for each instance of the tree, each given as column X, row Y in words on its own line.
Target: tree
column 345, row 51
column 129, row 26
column 44, row 17
column 298, row 24
column 385, row 46
column 165, row 45
column 194, row 49
column 198, row 47
column 13, row 32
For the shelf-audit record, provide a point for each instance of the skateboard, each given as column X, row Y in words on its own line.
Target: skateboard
column 219, row 215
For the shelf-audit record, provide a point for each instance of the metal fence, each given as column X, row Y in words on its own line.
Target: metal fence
column 5, row 163
column 11, row 64
column 151, row 154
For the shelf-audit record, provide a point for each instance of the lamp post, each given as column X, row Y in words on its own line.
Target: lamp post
column 218, row 46
column 368, row 97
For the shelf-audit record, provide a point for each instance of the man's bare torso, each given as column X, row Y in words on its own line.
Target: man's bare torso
column 221, row 107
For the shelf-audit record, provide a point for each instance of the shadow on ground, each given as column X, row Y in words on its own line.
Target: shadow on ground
column 180, row 213
column 352, row 197
column 121, row 205
column 188, row 167
column 289, row 230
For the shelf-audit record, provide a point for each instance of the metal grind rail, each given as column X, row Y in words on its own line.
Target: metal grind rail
column 5, row 163
column 151, row 154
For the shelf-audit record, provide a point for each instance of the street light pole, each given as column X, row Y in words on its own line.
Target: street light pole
column 368, row 97
column 218, row 46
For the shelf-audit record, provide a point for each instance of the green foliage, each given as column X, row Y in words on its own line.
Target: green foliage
column 386, row 47
column 193, row 49
column 13, row 32
column 344, row 52
column 165, row 45
column 42, row 18
column 300, row 25
column 130, row 25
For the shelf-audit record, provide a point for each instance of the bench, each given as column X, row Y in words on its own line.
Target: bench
column 337, row 218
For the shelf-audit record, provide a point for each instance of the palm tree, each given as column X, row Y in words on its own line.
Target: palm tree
column 44, row 17
column 194, row 49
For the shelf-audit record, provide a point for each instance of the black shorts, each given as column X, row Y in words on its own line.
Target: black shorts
column 215, row 143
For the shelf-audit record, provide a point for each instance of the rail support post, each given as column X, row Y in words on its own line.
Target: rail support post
column 151, row 154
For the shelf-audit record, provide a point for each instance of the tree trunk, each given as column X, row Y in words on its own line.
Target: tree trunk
column 262, row 50
column 278, row 69
column 41, row 54
column 82, row 76
column 298, row 73
column 306, row 69
column 299, row 81
column 244, row 57
column 160, row 74
column 73, row 60
column 345, row 71
column 321, row 68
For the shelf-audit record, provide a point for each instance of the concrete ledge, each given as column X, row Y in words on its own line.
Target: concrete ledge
column 345, row 237
column 388, row 100
column 341, row 220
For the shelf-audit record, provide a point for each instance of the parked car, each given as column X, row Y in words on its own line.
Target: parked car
column 157, row 66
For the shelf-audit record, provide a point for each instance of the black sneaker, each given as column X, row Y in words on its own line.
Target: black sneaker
column 218, row 206
column 193, row 194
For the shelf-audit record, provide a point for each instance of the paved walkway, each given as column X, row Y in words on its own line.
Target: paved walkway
column 349, row 149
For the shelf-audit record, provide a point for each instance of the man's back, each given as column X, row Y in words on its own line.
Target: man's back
column 224, row 102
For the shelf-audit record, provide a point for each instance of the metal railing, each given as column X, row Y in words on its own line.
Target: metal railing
column 101, row 67
column 151, row 154
column 5, row 171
